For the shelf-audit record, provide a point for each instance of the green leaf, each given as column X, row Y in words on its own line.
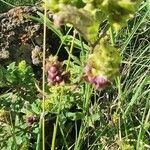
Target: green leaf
column 74, row 116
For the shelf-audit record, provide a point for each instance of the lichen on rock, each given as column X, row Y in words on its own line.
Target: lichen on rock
column 18, row 34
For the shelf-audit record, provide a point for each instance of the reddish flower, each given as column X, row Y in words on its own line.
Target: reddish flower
column 98, row 81
column 56, row 74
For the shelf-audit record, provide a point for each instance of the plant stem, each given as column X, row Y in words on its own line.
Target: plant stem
column 56, row 124
column 71, row 49
column 43, row 82
column 85, row 111
column 39, row 134
column 54, row 134
column 7, row 3
column 112, row 36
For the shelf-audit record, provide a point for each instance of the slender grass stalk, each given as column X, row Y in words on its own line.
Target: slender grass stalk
column 54, row 134
column 13, row 131
column 38, row 146
column 112, row 36
column 7, row 3
column 57, row 122
column 135, row 96
column 85, row 111
column 136, row 27
column 71, row 50
column 43, row 82
column 87, row 98
column 80, row 136
column 144, row 123
column 64, row 138
column 63, row 41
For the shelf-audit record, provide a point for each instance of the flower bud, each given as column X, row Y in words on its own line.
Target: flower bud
column 119, row 11
column 30, row 120
column 56, row 74
column 102, row 65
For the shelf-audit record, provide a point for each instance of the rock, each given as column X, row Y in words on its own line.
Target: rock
column 19, row 34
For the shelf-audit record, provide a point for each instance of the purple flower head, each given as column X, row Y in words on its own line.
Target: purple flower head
column 56, row 74
column 98, row 81
column 30, row 120
column 53, row 69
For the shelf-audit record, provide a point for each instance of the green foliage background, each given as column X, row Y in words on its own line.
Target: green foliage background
column 115, row 118
column 5, row 7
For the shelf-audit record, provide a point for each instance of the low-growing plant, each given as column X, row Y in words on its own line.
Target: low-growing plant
column 97, row 99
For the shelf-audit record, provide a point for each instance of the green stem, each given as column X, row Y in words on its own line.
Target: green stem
column 54, row 134
column 7, row 3
column 38, row 146
column 112, row 36
column 87, row 99
column 62, row 41
column 56, row 124
column 13, row 131
column 43, row 81
column 64, row 139
column 71, row 50
column 85, row 111
column 143, row 124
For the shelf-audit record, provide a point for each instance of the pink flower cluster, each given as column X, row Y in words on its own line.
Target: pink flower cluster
column 56, row 74
column 99, row 81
